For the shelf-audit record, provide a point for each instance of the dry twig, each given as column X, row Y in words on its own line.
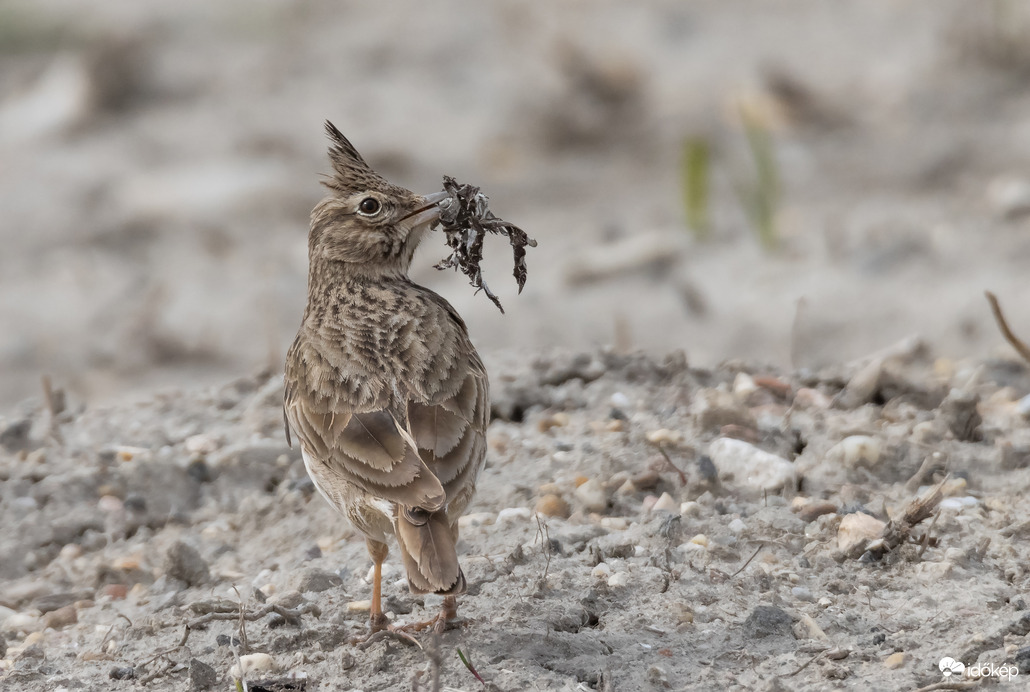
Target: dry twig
column 899, row 528
column 228, row 610
column 1003, row 325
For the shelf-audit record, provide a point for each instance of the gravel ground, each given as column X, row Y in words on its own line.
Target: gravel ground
column 641, row 524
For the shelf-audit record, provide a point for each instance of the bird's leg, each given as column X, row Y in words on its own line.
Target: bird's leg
column 377, row 619
column 448, row 613
column 379, row 624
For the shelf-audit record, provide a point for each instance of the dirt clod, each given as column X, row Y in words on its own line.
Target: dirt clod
column 183, row 562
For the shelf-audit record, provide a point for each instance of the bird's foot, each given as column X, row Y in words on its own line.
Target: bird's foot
column 380, row 629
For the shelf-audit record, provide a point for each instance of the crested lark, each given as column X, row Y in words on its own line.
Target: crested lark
column 384, row 389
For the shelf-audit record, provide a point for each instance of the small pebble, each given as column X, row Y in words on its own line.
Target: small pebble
column 665, row 503
column 618, row 580
column 808, row 628
column 1023, row 406
column 62, row 617
column 627, row 488
column 744, row 385
column 664, row 436
column 110, row 504
column 556, row 420
column 856, row 451
column 690, row 509
column 226, row 640
column 130, row 453
column 768, row 621
column 552, row 505
column 601, row 569
column 838, row 654
column 253, row 663
column 202, row 676
column 620, row 400
column 807, row 397
column 183, row 562
column 615, row 523
column 700, row 539
column 802, row 593
column 70, row 551
column 514, row 514
column 737, row 526
column 592, row 496
column 750, row 466
column 816, row 509
column 959, row 503
column 857, row 529
column 364, row 606
column 896, row 660
column 21, row 622
column 121, row 673
column 202, row 444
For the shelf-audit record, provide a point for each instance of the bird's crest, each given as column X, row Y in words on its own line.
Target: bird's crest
column 350, row 172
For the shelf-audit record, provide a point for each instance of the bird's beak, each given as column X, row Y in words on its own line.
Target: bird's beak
column 428, row 213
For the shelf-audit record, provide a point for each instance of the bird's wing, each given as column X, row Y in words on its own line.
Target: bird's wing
column 450, row 428
column 370, row 449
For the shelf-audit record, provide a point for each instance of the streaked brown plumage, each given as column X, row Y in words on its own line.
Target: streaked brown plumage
column 384, row 390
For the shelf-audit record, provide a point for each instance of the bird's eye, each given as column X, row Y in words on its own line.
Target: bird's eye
column 370, row 206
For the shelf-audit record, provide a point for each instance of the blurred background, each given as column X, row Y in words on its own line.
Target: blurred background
column 799, row 182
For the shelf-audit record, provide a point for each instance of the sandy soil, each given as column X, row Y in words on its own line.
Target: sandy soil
column 157, row 166
column 640, row 525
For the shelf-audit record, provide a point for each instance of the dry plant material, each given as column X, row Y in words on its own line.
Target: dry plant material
column 898, row 529
column 465, row 220
column 1003, row 325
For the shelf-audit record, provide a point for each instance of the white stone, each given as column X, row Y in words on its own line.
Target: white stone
column 856, row 528
column 665, row 503
column 21, row 622
column 617, row 580
column 514, row 514
column 664, row 436
column 855, row 451
column 737, row 526
column 744, row 385
column 202, row 444
column 592, row 495
column 802, row 593
column 690, row 509
column 601, row 569
column 251, row 664
column 747, row 465
column 958, row 504
column 620, row 400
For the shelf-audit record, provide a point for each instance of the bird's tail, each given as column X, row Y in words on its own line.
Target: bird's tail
column 427, row 547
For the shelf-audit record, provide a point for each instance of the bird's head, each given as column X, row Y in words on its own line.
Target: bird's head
column 366, row 222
